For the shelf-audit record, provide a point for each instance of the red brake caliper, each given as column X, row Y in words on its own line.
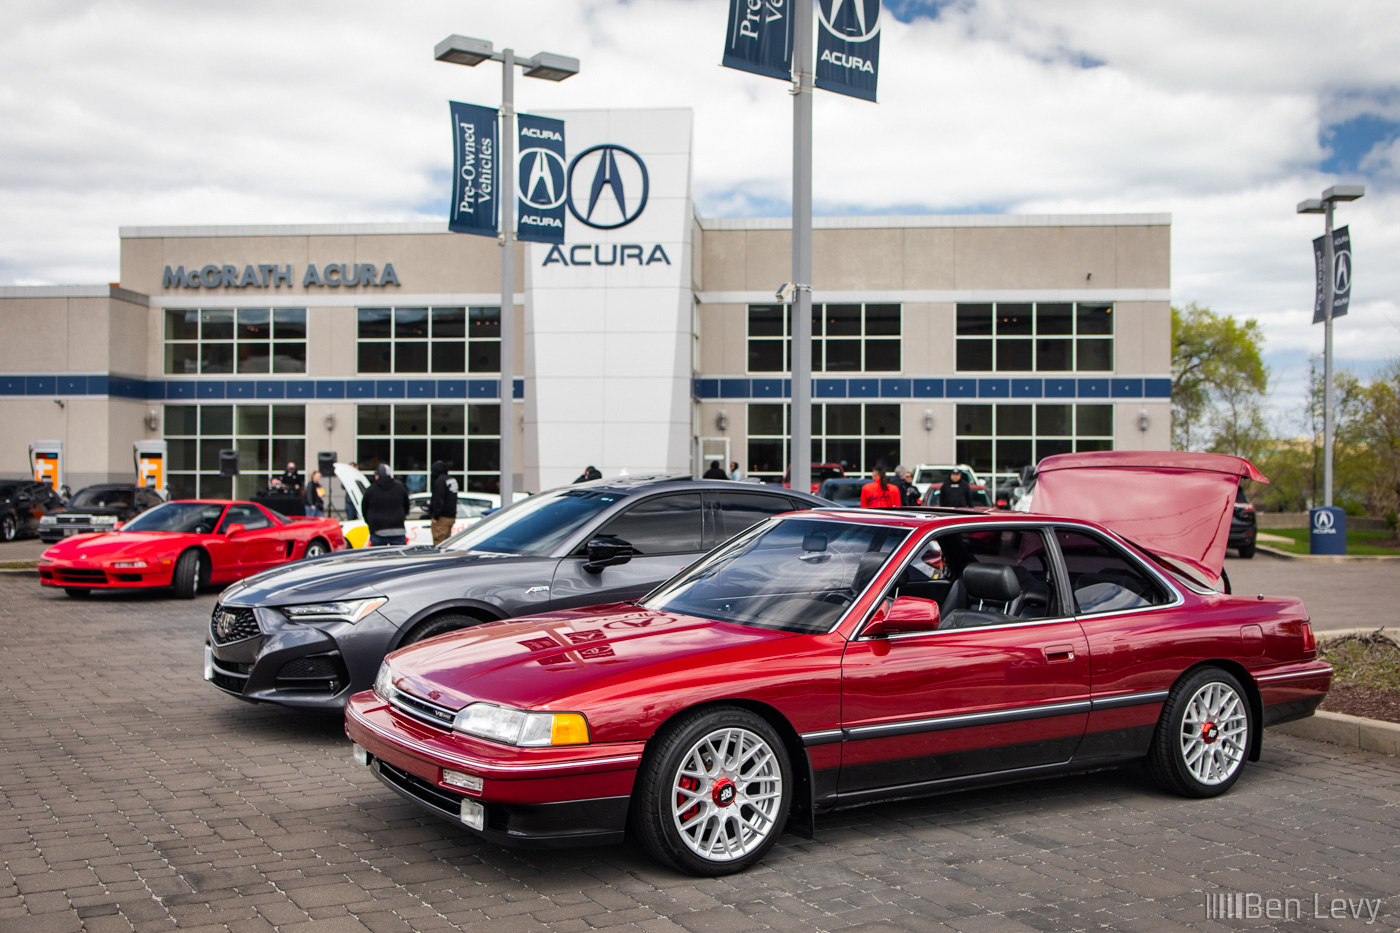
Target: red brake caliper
column 689, row 783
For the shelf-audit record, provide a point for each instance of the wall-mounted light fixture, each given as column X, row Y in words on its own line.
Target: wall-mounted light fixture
column 722, row 420
column 1143, row 420
column 330, row 419
column 152, row 419
column 928, row 419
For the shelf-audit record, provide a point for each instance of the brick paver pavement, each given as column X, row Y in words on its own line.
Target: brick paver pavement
column 135, row 797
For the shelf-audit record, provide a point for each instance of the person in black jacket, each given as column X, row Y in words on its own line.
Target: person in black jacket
column 589, row 474
column 385, row 504
column 315, row 496
column 443, row 507
column 955, row 494
column 715, row 472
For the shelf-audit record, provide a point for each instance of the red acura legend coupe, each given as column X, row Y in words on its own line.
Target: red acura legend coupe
column 186, row 544
column 829, row 658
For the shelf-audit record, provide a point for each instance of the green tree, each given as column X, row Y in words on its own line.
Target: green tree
column 1219, row 382
column 1372, row 433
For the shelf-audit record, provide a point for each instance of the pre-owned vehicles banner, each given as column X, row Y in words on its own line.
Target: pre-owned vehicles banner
column 475, row 197
column 1341, row 274
column 759, row 38
column 540, row 176
column 848, row 47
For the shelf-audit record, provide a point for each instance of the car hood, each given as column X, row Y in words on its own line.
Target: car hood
column 1178, row 505
column 113, row 545
column 345, row 573
column 554, row 659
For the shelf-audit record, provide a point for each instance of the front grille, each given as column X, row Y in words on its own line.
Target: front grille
column 228, row 625
column 128, row 578
column 80, row 575
column 422, row 710
column 419, row 789
column 323, row 673
column 74, row 519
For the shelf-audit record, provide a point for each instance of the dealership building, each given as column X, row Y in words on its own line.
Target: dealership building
column 650, row 340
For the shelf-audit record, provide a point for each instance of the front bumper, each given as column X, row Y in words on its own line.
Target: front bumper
column 550, row 798
column 268, row 658
column 88, row 576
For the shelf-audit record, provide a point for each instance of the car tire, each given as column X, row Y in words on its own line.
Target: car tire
column 439, row 625
column 77, row 592
column 1203, row 736
column 187, row 572
column 734, row 768
column 315, row 548
column 9, row 528
column 1247, row 551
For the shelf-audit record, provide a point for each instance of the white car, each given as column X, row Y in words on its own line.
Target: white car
column 937, row 473
column 471, row 508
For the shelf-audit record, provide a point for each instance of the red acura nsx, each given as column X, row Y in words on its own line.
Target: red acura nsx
column 829, row 658
column 186, row 544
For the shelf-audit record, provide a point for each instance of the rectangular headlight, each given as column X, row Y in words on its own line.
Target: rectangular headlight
column 348, row 610
column 520, row 728
column 48, row 520
column 104, row 519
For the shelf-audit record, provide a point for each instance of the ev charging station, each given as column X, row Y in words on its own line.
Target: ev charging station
column 46, row 460
column 150, row 464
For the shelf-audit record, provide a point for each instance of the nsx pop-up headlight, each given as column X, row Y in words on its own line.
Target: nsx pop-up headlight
column 521, row 728
column 384, row 681
column 347, row 610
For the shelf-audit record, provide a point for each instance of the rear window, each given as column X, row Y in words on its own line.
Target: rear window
column 102, row 499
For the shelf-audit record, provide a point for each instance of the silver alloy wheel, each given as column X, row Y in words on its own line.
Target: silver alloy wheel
column 8, row 528
column 1214, row 730
column 315, row 549
column 726, row 794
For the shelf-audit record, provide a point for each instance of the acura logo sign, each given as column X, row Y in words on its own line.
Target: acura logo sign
column 617, row 189
column 861, row 20
column 1322, row 521
column 542, row 178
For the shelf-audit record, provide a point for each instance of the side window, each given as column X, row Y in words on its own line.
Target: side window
column 740, row 511
column 1103, row 578
column 660, row 525
column 249, row 516
column 990, row 577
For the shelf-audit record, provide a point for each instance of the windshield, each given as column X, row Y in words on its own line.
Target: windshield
column 182, row 517
column 535, row 525
column 795, row 575
column 101, row 499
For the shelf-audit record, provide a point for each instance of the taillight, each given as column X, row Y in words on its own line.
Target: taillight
column 1245, row 506
column 1309, row 641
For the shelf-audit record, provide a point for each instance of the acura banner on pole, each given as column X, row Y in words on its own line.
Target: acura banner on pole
column 848, row 47
column 760, row 37
column 540, row 176
column 475, row 197
column 1341, row 274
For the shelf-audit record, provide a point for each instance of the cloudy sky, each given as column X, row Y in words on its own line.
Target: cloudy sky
column 1223, row 114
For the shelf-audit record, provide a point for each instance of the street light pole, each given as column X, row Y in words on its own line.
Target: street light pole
column 800, row 454
column 463, row 50
column 1325, row 205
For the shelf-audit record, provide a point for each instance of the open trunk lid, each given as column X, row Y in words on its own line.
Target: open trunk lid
column 1172, row 503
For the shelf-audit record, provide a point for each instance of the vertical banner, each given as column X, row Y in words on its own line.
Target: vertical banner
column 1340, row 279
column 759, row 38
column 848, row 47
column 540, row 176
column 475, row 197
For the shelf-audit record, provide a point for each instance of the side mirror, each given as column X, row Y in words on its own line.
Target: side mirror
column 237, row 528
column 905, row 614
column 606, row 551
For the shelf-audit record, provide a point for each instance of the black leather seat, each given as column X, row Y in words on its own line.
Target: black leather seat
column 989, row 593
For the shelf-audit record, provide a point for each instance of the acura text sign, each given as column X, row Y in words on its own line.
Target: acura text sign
column 1340, row 278
column 475, row 195
column 848, row 47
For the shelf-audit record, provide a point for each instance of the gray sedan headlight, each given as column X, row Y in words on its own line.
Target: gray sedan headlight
column 345, row 610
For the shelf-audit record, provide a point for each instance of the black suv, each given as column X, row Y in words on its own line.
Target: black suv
column 98, row 508
column 1244, row 525
column 23, row 505
column 312, row 633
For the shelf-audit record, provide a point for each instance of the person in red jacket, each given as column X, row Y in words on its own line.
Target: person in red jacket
column 879, row 494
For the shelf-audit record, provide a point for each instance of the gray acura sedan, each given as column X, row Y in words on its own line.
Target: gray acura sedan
column 312, row 633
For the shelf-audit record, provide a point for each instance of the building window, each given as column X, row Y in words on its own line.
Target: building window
column 229, row 341
column 267, row 438
column 1045, row 337
column 1005, row 438
column 428, row 340
column 410, row 438
column 846, row 338
column 855, row 436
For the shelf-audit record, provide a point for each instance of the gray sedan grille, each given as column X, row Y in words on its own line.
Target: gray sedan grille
column 228, row 625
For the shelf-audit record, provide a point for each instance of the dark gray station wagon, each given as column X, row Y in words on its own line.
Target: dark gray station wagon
column 312, row 633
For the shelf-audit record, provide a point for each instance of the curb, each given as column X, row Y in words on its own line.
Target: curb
column 1326, row 558
column 1340, row 729
column 32, row 568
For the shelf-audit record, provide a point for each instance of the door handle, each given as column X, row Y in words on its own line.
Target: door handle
column 1054, row 653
